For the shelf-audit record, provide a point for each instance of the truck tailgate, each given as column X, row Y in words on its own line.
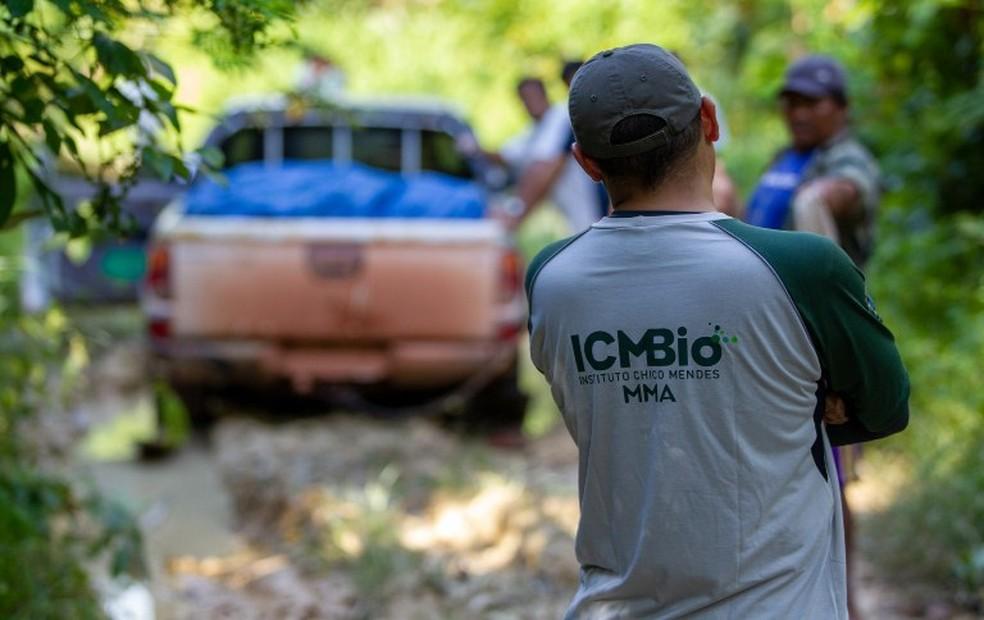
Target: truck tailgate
column 324, row 279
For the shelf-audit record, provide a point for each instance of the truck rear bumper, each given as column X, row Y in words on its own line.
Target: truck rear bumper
column 409, row 364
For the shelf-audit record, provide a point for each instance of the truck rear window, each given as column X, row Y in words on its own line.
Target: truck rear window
column 378, row 147
column 439, row 154
column 243, row 146
column 307, row 143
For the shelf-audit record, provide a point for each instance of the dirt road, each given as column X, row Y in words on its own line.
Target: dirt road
column 342, row 516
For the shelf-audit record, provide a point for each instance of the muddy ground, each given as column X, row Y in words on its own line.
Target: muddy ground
column 345, row 516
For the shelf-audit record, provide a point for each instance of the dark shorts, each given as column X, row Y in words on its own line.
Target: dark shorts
column 839, row 466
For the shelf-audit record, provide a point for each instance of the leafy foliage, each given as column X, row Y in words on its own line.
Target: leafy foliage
column 71, row 83
column 926, row 63
column 928, row 59
column 47, row 525
column 71, row 88
column 932, row 280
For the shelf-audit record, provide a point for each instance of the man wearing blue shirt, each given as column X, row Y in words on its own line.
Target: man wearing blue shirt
column 824, row 181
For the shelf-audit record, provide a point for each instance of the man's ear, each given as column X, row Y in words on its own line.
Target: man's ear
column 708, row 120
column 587, row 164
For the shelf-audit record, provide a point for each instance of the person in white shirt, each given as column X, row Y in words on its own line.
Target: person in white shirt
column 515, row 154
column 552, row 172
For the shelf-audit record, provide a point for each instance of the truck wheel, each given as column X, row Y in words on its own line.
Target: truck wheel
column 499, row 406
column 196, row 404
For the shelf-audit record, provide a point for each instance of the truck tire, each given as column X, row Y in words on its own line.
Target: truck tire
column 198, row 405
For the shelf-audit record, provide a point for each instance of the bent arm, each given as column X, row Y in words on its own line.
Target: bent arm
column 858, row 353
column 841, row 196
column 538, row 179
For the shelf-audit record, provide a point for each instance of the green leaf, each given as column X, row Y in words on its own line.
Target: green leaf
column 53, row 203
column 212, row 156
column 180, row 169
column 23, row 88
column 41, row 60
column 52, row 137
column 117, row 58
column 11, row 64
column 160, row 164
column 77, row 103
column 95, row 95
column 120, row 112
column 216, row 177
column 76, row 225
column 33, row 110
column 8, row 182
column 160, row 67
column 94, row 11
column 19, row 8
column 111, row 125
column 171, row 113
column 163, row 91
column 69, row 142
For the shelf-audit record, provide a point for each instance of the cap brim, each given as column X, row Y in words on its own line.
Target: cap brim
column 807, row 88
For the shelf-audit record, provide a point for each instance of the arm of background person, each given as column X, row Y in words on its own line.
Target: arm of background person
column 538, row 179
column 467, row 145
column 841, row 196
column 850, row 182
column 548, row 153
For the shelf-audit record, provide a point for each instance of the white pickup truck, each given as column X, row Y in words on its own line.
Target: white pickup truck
column 359, row 307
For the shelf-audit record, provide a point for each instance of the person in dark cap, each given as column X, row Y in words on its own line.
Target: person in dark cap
column 703, row 367
column 568, row 69
column 825, row 181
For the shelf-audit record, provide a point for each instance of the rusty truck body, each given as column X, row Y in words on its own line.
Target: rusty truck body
column 324, row 302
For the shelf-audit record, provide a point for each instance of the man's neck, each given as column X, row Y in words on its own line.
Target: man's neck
column 680, row 194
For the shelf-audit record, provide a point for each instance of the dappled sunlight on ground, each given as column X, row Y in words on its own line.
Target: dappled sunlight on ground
column 342, row 516
column 401, row 518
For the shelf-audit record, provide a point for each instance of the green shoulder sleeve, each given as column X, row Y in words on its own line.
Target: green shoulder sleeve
column 857, row 352
column 542, row 258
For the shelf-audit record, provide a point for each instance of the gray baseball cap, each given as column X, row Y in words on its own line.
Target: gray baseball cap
column 626, row 81
column 815, row 76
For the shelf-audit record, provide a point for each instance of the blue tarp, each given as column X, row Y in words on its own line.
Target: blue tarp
column 324, row 189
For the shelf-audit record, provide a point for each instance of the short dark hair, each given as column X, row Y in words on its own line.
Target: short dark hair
column 531, row 81
column 649, row 169
column 569, row 69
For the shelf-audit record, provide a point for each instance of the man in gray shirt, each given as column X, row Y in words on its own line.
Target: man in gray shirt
column 692, row 357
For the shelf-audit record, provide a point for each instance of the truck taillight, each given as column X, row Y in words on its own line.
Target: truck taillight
column 510, row 278
column 159, row 329
column 159, row 271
